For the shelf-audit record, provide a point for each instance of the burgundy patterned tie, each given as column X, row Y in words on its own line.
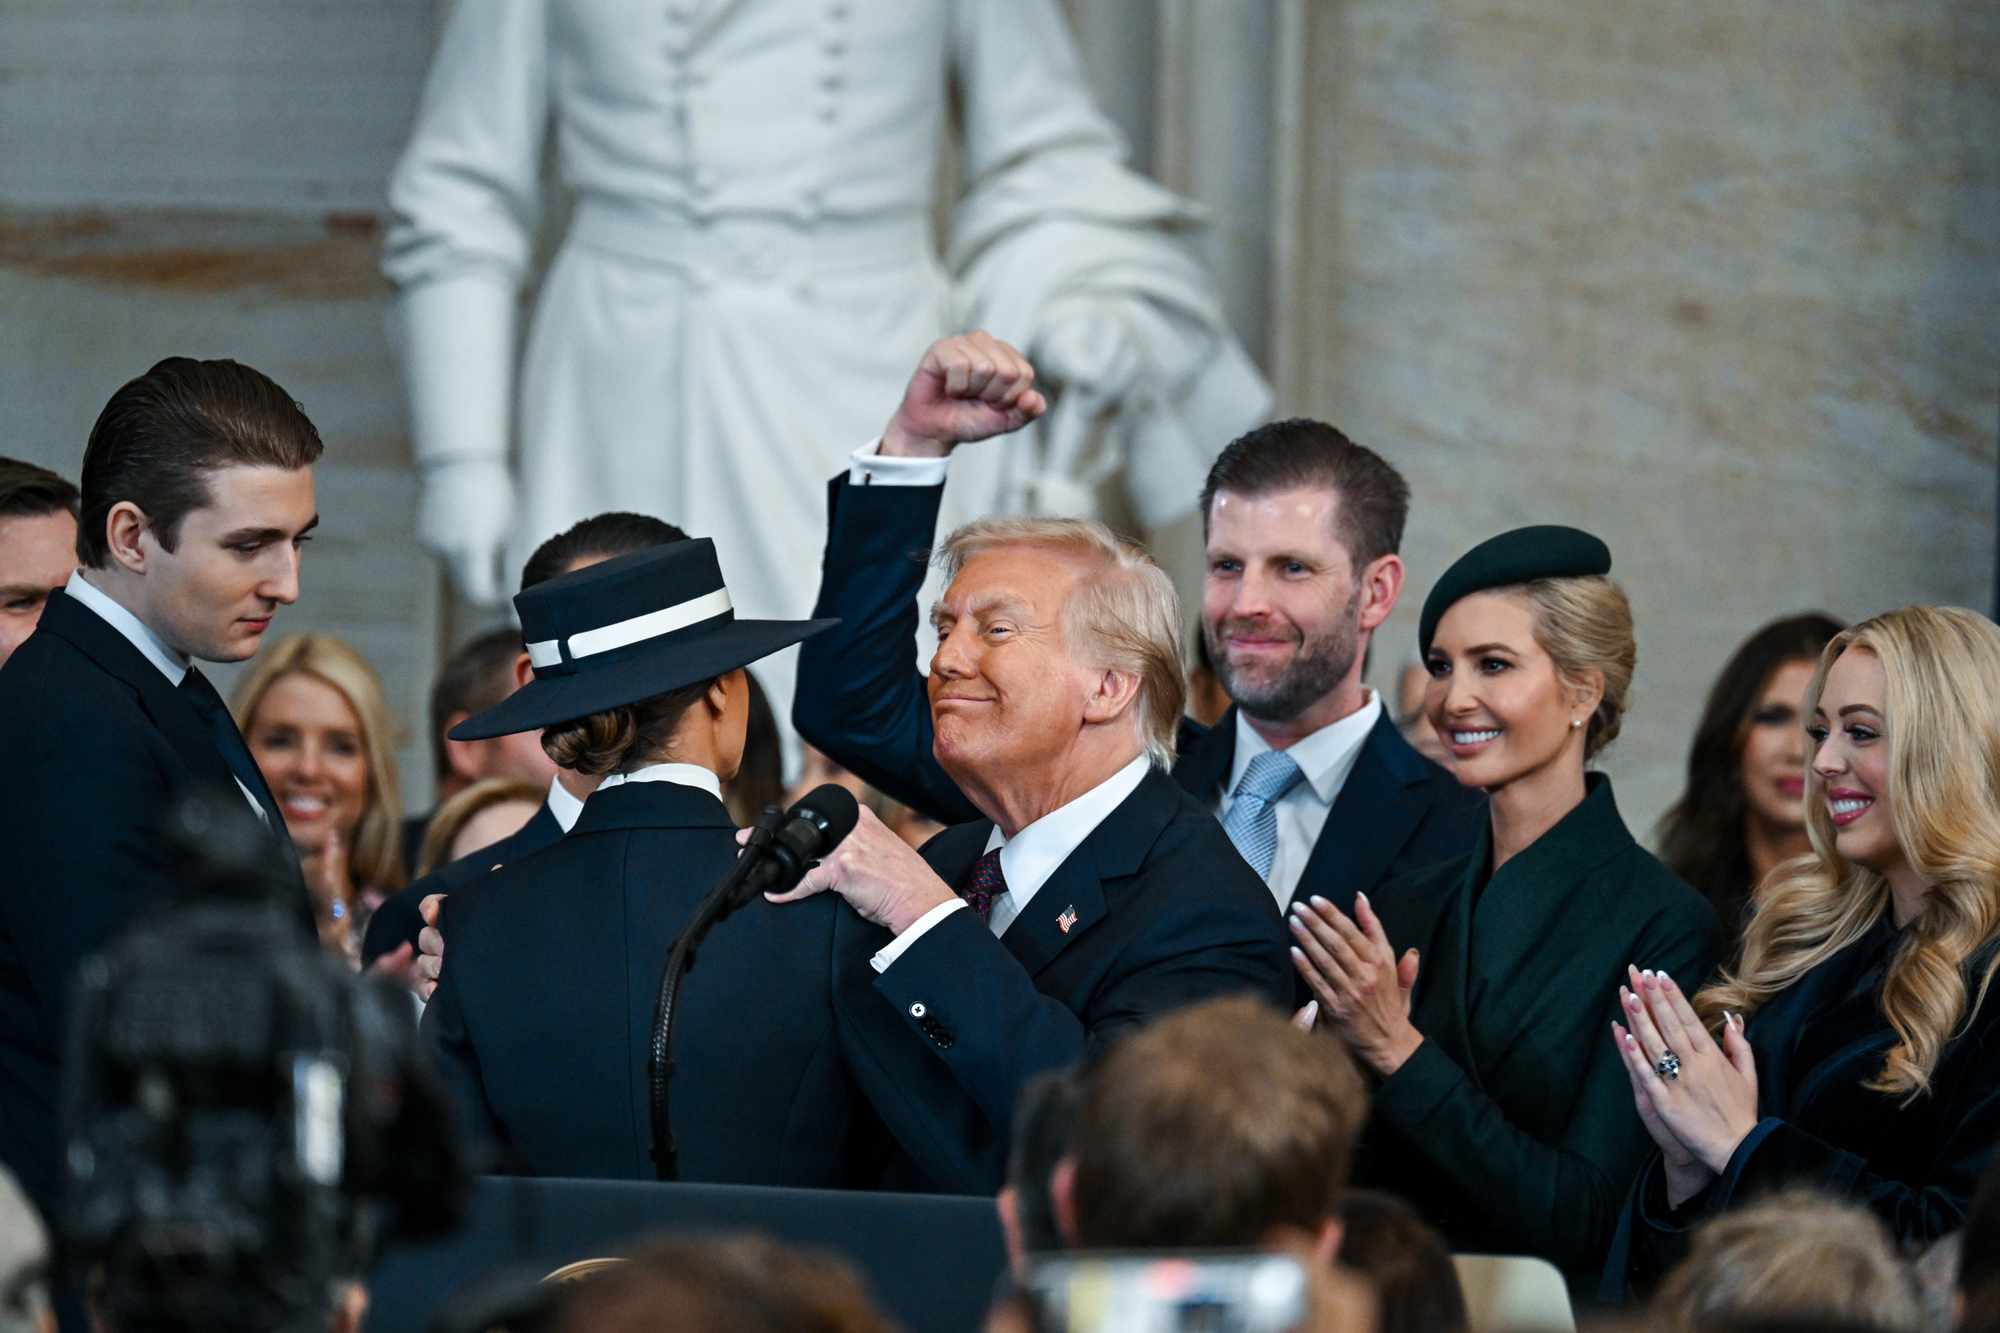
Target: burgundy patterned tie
column 984, row 884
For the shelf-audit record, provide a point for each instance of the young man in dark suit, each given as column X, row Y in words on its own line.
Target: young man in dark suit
column 400, row 921
column 197, row 498
column 1307, row 771
column 1092, row 893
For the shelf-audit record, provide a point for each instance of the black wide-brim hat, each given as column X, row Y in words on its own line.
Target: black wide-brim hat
column 625, row 630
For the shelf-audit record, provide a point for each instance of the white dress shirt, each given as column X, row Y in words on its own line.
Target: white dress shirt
column 1029, row 857
column 1325, row 758
column 566, row 808
column 868, row 466
column 688, row 775
column 173, row 665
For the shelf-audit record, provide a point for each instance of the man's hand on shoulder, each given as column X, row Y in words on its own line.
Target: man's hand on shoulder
column 881, row 876
column 968, row 387
column 430, row 945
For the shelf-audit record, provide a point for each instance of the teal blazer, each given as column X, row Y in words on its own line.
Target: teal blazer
column 1511, row 1128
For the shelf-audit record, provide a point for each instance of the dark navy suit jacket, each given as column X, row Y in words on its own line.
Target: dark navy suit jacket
column 861, row 699
column 543, row 1016
column 98, row 745
column 1152, row 911
column 396, row 922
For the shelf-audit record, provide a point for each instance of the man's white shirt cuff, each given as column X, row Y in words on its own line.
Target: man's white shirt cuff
column 897, row 947
column 866, row 467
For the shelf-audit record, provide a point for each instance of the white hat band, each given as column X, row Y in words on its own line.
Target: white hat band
column 652, row 625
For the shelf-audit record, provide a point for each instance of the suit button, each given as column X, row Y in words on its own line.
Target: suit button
column 917, row 1010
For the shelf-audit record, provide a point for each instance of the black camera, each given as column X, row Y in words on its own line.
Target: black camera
column 246, row 1121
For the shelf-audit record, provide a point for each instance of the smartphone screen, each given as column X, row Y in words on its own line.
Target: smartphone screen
column 1245, row 1292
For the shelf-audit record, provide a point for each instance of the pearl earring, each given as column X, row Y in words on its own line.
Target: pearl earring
column 1575, row 722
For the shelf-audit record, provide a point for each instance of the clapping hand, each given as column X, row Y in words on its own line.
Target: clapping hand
column 332, row 895
column 1697, row 1099
column 1363, row 988
column 967, row 387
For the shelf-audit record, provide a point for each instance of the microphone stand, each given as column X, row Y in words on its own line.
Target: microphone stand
column 711, row 910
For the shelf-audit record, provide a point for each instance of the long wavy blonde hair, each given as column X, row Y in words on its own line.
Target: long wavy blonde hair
column 1941, row 666
column 376, row 854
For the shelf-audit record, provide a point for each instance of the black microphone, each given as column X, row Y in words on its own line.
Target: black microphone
column 812, row 828
column 771, row 862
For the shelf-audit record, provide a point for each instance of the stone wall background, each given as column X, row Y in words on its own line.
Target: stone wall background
column 1722, row 282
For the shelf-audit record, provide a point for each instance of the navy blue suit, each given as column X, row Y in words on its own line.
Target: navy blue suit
column 543, row 1016
column 861, row 699
column 98, row 746
column 1152, row 911
column 396, row 922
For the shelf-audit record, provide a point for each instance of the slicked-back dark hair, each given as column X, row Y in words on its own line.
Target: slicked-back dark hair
column 161, row 434
column 603, row 535
column 27, row 491
column 1300, row 452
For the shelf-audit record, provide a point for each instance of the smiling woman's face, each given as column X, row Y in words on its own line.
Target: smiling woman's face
column 307, row 742
column 1773, row 762
column 1850, row 731
column 1495, row 697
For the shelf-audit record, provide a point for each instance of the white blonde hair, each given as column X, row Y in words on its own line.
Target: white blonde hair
column 1124, row 615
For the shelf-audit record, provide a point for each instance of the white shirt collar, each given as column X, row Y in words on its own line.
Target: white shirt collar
column 566, row 808
column 688, row 775
column 1029, row 857
column 172, row 665
column 1325, row 757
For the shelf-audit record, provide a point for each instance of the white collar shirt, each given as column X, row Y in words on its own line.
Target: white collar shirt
column 687, row 775
column 566, row 808
column 1031, row 856
column 1325, row 759
column 173, row 665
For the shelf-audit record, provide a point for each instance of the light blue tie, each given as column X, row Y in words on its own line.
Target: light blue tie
column 1252, row 821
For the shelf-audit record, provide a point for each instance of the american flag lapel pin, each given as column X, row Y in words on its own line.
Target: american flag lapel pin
column 1067, row 919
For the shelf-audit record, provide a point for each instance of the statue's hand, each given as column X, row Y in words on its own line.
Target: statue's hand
column 967, row 387
column 463, row 518
column 1091, row 349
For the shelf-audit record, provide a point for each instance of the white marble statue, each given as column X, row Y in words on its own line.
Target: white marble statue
column 748, row 273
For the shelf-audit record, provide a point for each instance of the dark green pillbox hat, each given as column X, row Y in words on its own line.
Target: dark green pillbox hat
column 1546, row 551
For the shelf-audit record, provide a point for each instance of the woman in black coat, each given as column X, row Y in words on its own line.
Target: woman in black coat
column 1854, row 1046
column 543, row 1017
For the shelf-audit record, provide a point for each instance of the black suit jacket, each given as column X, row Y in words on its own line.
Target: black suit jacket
column 396, row 922
column 1152, row 911
column 542, row 1020
column 98, row 745
column 861, row 699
